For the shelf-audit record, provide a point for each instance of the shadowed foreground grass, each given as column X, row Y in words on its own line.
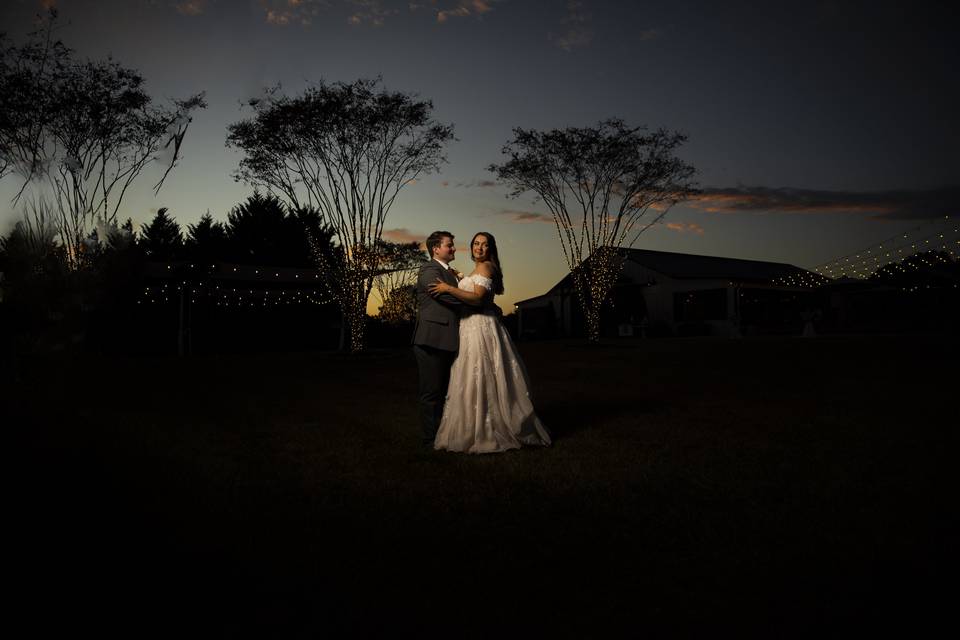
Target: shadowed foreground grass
column 770, row 485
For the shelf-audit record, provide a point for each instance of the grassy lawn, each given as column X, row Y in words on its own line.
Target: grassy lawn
column 773, row 485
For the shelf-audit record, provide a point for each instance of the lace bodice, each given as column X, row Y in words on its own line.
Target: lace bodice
column 468, row 282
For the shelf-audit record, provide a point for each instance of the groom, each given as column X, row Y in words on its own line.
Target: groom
column 437, row 334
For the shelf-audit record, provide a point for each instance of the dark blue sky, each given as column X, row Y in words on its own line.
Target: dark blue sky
column 818, row 128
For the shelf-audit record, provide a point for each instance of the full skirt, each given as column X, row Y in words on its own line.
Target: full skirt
column 488, row 406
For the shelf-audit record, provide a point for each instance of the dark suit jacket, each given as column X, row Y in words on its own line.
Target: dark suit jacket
column 438, row 319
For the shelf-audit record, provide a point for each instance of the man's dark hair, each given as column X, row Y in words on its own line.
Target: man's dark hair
column 434, row 240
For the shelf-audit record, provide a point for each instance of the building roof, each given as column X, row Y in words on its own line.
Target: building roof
column 694, row 267
column 686, row 265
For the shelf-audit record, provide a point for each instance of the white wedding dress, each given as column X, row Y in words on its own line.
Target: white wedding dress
column 488, row 405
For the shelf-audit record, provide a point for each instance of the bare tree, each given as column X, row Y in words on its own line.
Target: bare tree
column 25, row 107
column 599, row 183
column 84, row 129
column 348, row 150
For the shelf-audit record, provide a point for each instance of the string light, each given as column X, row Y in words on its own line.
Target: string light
column 204, row 288
column 801, row 279
column 927, row 265
column 861, row 264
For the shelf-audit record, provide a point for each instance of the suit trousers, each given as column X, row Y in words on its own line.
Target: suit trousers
column 434, row 369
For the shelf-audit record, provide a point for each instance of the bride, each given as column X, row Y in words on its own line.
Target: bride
column 488, row 407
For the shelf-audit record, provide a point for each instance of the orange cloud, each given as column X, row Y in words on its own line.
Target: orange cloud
column 459, row 12
column 930, row 203
column 463, row 9
column 683, row 227
column 369, row 12
column 524, row 217
column 285, row 12
column 278, row 17
column 483, row 184
column 358, row 12
column 405, row 235
column 191, row 7
column 737, row 202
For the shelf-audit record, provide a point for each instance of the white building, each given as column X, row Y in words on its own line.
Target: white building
column 682, row 294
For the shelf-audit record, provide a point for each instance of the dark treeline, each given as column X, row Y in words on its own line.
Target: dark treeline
column 161, row 289
column 260, row 231
column 122, row 293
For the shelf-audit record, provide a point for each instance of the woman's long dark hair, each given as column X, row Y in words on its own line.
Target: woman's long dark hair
column 494, row 260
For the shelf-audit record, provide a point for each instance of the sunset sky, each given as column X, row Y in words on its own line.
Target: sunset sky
column 818, row 128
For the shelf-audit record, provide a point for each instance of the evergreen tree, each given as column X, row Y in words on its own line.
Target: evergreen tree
column 259, row 231
column 263, row 231
column 313, row 235
column 127, row 232
column 207, row 240
column 162, row 239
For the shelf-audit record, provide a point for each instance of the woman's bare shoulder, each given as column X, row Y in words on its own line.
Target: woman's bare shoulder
column 485, row 269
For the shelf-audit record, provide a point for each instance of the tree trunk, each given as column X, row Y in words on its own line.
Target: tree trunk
column 358, row 325
column 354, row 310
column 588, row 305
column 592, row 316
column 594, row 282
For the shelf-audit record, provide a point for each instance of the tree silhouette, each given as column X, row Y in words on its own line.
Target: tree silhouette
column 399, row 305
column 162, row 239
column 598, row 183
column 259, row 231
column 348, row 150
column 264, row 230
column 86, row 129
column 399, row 262
column 315, row 240
column 206, row 240
column 120, row 266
